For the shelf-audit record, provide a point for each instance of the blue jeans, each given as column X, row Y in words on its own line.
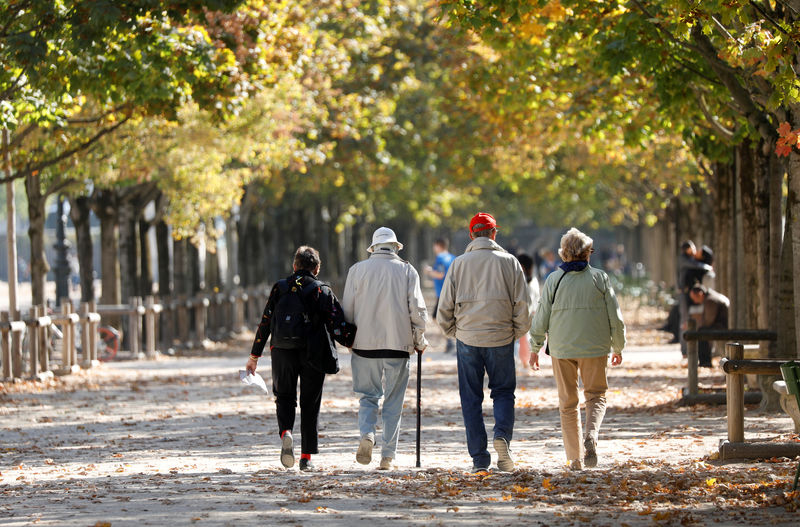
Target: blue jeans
column 369, row 378
column 498, row 363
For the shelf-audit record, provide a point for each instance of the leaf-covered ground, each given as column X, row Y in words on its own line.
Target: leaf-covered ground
column 181, row 440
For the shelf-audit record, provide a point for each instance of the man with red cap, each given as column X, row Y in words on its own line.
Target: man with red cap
column 484, row 306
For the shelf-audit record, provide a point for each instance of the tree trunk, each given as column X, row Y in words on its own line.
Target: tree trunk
column 36, row 217
column 80, row 213
column 723, row 225
column 787, row 336
column 793, row 201
column 128, row 242
column 145, row 286
column 106, row 208
column 164, row 266
column 182, row 282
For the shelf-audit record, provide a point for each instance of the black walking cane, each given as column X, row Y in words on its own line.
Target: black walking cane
column 419, row 405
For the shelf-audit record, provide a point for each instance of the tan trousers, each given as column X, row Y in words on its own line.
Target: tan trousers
column 593, row 375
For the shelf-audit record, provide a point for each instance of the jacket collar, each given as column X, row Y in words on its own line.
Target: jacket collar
column 483, row 243
column 384, row 255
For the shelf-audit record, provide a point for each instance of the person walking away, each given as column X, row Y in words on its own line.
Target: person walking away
column 293, row 304
column 579, row 315
column 523, row 345
column 484, row 306
column 437, row 273
column 713, row 315
column 382, row 296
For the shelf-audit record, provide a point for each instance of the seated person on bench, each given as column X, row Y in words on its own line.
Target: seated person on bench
column 714, row 315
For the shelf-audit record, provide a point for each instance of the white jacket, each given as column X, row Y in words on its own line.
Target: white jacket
column 485, row 300
column 383, row 298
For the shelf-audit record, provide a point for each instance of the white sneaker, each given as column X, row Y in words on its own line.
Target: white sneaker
column 364, row 453
column 504, row 461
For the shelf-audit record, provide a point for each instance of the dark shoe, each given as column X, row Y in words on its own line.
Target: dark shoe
column 287, row 450
column 477, row 470
column 306, row 465
column 590, row 452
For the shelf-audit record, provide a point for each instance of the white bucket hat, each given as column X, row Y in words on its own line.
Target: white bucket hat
column 384, row 235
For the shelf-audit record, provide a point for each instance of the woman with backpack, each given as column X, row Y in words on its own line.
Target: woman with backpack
column 302, row 315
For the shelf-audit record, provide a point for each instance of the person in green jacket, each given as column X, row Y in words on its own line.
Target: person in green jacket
column 579, row 315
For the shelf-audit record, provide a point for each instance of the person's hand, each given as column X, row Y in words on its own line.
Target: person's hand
column 616, row 360
column 420, row 350
column 251, row 366
column 534, row 361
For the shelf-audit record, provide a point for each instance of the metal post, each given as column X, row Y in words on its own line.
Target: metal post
column 419, row 407
column 691, row 355
column 735, row 392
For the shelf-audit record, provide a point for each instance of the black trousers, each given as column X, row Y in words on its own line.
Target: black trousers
column 287, row 367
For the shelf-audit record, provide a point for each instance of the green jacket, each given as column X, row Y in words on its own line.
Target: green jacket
column 584, row 321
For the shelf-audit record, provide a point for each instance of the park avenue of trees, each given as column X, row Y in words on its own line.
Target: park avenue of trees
column 311, row 121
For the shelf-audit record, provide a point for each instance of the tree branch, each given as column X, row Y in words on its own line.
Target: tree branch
column 766, row 15
column 755, row 116
column 64, row 155
column 650, row 19
column 718, row 126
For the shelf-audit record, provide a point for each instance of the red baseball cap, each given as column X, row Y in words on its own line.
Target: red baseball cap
column 482, row 221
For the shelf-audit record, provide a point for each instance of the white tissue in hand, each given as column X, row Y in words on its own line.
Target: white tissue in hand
column 253, row 379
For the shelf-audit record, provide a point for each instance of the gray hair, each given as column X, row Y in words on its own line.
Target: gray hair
column 485, row 233
column 575, row 246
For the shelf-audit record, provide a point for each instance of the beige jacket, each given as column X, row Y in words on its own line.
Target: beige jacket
column 383, row 298
column 484, row 300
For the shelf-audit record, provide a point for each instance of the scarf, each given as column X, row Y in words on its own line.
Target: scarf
column 573, row 266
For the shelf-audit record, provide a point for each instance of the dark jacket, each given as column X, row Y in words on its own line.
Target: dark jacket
column 324, row 310
column 690, row 271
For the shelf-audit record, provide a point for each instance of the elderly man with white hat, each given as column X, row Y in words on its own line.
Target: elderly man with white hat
column 382, row 296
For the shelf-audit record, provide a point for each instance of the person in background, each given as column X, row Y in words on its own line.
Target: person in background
column 523, row 344
column 291, row 363
column 579, row 315
column 713, row 315
column 484, row 306
column 548, row 264
column 437, row 273
column 382, row 296
column 690, row 271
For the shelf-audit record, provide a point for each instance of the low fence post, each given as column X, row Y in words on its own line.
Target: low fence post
column 691, row 355
column 735, row 395
column 133, row 326
column 238, row 313
column 33, row 342
column 5, row 343
column 183, row 320
column 200, row 310
column 42, row 331
column 93, row 327
column 150, row 327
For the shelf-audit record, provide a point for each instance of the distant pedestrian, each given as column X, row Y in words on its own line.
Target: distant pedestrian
column 548, row 263
column 484, row 306
column 437, row 273
column 382, row 296
column 523, row 344
column 579, row 314
column 713, row 314
column 295, row 304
